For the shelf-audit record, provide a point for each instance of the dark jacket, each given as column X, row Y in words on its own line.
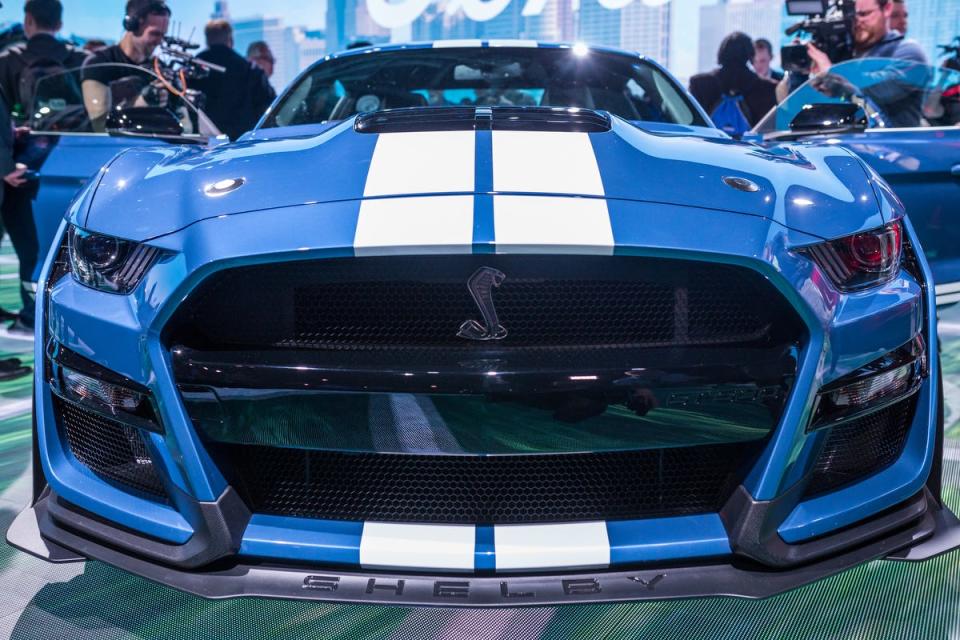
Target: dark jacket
column 759, row 94
column 40, row 47
column 7, row 164
column 237, row 98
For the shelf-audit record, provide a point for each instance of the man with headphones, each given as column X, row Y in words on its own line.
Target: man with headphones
column 146, row 23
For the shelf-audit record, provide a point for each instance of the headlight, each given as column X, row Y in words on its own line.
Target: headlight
column 863, row 259
column 106, row 263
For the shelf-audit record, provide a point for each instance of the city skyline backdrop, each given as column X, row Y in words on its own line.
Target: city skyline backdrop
column 681, row 34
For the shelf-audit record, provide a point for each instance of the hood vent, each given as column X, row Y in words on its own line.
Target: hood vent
column 483, row 119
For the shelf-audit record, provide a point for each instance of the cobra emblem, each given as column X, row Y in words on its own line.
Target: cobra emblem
column 481, row 285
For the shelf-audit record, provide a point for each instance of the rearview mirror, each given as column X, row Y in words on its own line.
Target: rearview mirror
column 832, row 116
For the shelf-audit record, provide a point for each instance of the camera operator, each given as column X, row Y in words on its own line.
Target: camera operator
column 872, row 38
column 891, row 88
column 236, row 98
column 21, row 68
column 146, row 23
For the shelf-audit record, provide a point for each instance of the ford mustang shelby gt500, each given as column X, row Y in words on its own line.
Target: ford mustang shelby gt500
column 486, row 325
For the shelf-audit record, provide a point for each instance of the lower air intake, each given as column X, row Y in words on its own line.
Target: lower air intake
column 110, row 449
column 862, row 447
column 503, row 489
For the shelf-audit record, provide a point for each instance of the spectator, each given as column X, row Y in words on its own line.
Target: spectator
column 736, row 97
column 762, row 57
column 899, row 16
column 259, row 54
column 895, row 89
column 22, row 67
column 238, row 97
column 872, row 38
column 146, row 23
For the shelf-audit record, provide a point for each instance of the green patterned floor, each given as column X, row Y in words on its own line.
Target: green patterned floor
column 93, row 601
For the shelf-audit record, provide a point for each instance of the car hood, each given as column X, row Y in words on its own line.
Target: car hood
column 821, row 190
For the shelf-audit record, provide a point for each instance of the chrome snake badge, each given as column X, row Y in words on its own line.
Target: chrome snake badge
column 481, row 285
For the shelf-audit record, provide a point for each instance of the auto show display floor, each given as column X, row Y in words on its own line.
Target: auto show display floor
column 94, row 601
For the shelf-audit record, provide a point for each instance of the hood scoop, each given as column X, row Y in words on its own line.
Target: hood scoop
column 555, row 119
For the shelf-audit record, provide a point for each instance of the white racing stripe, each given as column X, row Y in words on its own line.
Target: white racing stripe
column 446, row 44
column 953, row 287
column 421, row 162
column 513, row 43
column 948, row 299
column 389, row 225
column 545, row 162
column 531, row 221
column 551, row 546
column 418, row 546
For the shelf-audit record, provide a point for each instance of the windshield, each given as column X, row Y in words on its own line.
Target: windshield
column 893, row 93
column 63, row 103
column 625, row 86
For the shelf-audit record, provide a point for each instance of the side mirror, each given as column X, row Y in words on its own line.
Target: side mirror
column 833, row 116
column 152, row 122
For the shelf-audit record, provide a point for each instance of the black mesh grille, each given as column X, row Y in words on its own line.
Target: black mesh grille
column 112, row 450
column 860, row 448
column 485, row 489
column 418, row 302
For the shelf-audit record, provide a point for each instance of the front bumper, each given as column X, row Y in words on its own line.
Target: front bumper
column 918, row 529
column 765, row 540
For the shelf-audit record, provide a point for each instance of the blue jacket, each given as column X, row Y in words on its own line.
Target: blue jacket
column 897, row 89
column 895, row 45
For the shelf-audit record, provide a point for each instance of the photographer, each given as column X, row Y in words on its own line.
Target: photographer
column 893, row 88
column 146, row 23
column 872, row 38
column 236, row 98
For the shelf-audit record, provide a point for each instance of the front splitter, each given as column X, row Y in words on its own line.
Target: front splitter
column 252, row 579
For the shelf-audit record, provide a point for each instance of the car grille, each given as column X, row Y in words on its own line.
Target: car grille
column 416, row 303
column 470, row 489
column 113, row 451
column 862, row 447
column 588, row 341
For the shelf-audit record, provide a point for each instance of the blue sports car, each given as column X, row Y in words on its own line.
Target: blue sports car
column 485, row 324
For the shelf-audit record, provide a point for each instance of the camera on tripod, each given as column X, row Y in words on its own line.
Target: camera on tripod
column 830, row 25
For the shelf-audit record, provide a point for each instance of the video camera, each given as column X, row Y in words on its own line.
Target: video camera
column 176, row 56
column 830, row 25
column 178, row 67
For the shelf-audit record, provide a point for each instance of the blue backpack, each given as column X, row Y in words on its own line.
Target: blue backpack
column 729, row 115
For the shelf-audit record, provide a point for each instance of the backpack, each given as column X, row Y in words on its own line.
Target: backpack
column 730, row 115
column 60, row 90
